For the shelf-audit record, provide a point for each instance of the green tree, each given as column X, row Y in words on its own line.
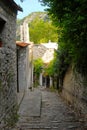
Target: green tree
column 71, row 17
column 49, row 70
column 38, row 64
column 42, row 31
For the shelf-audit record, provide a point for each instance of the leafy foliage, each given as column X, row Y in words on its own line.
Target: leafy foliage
column 71, row 17
column 38, row 64
column 49, row 69
column 42, row 31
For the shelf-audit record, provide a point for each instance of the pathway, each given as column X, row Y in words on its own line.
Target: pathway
column 45, row 110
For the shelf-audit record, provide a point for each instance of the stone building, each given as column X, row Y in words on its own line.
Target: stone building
column 45, row 51
column 8, row 78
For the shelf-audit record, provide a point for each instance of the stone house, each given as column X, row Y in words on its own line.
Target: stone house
column 45, row 51
column 8, row 78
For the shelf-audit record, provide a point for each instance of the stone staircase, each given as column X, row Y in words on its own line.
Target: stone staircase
column 48, row 112
column 35, row 123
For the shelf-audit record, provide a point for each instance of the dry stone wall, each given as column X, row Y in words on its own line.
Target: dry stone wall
column 75, row 90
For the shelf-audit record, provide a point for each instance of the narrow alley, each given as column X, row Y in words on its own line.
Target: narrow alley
column 42, row 109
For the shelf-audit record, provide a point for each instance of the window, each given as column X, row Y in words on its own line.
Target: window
column 2, row 22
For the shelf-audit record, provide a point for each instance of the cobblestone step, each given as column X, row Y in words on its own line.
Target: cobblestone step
column 52, row 125
column 54, row 113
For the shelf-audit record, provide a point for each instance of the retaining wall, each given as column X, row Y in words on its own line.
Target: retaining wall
column 75, row 91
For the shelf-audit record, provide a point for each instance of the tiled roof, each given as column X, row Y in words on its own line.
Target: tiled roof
column 22, row 44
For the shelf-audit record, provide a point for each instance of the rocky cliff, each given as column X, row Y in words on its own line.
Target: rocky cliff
column 29, row 19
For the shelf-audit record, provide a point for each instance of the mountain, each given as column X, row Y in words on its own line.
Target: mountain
column 29, row 19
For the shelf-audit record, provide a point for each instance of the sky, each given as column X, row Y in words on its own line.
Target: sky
column 28, row 7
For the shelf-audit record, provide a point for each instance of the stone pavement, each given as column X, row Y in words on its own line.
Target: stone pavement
column 31, row 104
column 42, row 109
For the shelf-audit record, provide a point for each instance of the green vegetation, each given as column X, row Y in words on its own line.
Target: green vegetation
column 41, row 31
column 41, row 28
column 38, row 64
column 50, row 68
column 13, row 117
column 52, row 89
column 71, row 18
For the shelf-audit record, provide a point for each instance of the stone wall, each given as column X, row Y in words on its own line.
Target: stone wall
column 8, row 101
column 8, row 32
column 24, row 68
column 75, row 91
column 8, row 80
column 30, row 66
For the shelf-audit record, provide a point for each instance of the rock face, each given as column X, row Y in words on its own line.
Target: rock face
column 28, row 19
column 8, row 80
